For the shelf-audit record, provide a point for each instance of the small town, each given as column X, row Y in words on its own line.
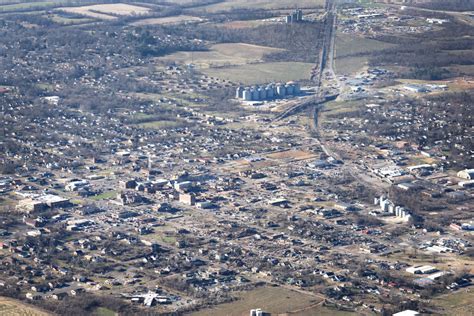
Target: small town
column 235, row 158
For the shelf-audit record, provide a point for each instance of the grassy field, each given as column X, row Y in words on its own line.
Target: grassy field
column 102, row 311
column 68, row 21
column 160, row 124
column 104, row 196
column 107, row 11
column 27, row 6
column 347, row 46
column 275, row 300
column 459, row 303
column 263, row 72
column 179, row 19
column 263, row 4
column 10, row 307
column 222, row 55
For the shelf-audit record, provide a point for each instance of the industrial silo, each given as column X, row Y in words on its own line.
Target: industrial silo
column 270, row 92
column 300, row 15
column 255, row 95
column 239, row 92
column 262, row 94
column 297, row 88
column 281, row 91
column 247, row 95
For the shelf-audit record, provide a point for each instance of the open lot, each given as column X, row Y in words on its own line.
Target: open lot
column 458, row 303
column 219, row 55
column 107, row 11
column 263, row 72
column 12, row 307
column 275, row 300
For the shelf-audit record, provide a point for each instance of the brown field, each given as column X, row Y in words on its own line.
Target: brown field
column 222, row 55
column 242, row 24
column 107, row 11
column 292, row 155
column 275, row 300
column 11, row 307
column 179, row 19
column 458, row 303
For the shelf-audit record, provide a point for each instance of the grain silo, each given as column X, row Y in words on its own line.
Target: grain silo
column 262, row 94
column 239, row 93
column 247, row 95
column 255, row 95
column 281, row 90
column 270, row 91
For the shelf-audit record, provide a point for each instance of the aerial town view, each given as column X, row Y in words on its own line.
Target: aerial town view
column 236, row 157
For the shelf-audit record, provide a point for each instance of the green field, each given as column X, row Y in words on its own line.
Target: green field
column 68, row 21
column 104, row 196
column 262, row 4
column 352, row 52
column 27, row 6
column 102, row 311
column 219, row 55
column 263, row 72
column 160, row 124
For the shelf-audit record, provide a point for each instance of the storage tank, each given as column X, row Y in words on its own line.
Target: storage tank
column 294, row 17
column 239, row 92
column 255, row 95
column 297, row 88
column 262, row 93
column 270, row 92
column 300, row 15
column 281, row 90
column 247, row 95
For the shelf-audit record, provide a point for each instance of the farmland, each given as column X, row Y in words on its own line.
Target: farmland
column 222, row 55
column 168, row 20
column 352, row 52
column 264, row 4
column 262, row 72
column 107, row 11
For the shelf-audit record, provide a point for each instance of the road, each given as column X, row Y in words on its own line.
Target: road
column 323, row 75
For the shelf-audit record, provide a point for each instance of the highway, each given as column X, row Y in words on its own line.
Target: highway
column 323, row 75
